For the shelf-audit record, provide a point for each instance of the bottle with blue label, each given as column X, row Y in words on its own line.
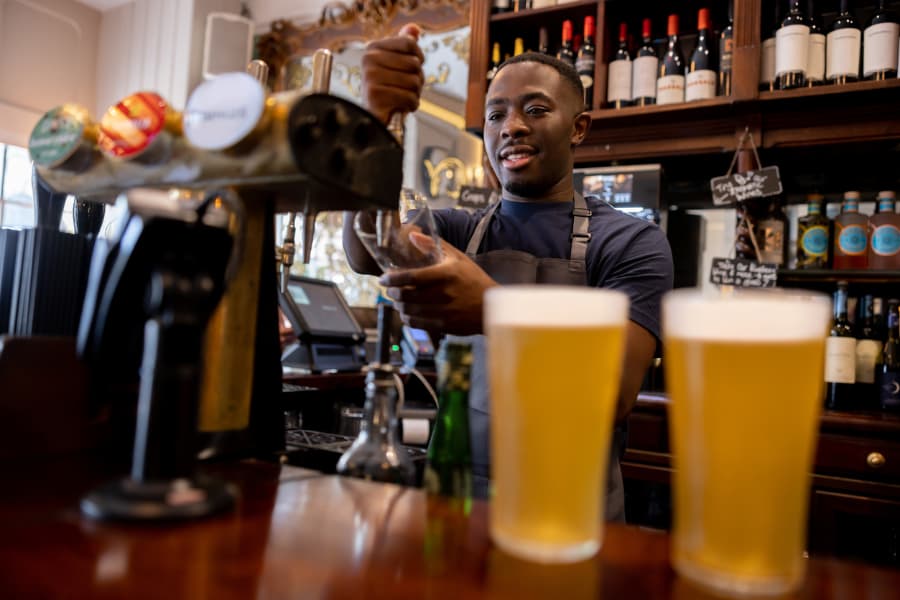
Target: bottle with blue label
column 884, row 234
column 813, row 235
column 851, row 235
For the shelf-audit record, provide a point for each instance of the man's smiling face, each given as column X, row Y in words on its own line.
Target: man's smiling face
column 530, row 128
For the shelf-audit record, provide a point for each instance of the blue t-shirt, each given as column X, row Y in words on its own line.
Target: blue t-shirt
column 625, row 253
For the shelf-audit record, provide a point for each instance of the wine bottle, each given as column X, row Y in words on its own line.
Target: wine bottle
column 890, row 362
column 868, row 355
column 644, row 67
column 842, row 48
column 618, row 93
column 771, row 235
column 815, row 62
column 566, row 54
column 500, row 6
column 840, row 356
column 670, row 82
column 700, row 83
column 543, row 44
column 585, row 62
column 792, row 49
column 726, row 53
column 767, row 56
column 880, row 41
column 495, row 61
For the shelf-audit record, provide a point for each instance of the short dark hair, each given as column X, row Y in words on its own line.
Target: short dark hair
column 565, row 70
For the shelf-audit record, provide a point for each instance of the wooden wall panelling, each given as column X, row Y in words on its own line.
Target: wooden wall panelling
column 745, row 63
column 479, row 53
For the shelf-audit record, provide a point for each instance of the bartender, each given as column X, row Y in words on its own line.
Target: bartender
column 541, row 232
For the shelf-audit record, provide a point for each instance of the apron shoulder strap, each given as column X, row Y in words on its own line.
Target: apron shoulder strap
column 480, row 229
column 581, row 229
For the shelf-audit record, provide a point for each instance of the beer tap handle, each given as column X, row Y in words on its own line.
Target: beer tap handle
column 321, row 84
column 259, row 70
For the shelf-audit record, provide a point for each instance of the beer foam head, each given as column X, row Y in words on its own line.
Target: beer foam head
column 551, row 306
column 773, row 315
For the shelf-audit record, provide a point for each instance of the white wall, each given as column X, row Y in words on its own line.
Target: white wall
column 302, row 11
column 154, row 45
column 48, row 56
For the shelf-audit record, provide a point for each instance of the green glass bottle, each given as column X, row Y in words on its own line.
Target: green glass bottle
column 448, row 471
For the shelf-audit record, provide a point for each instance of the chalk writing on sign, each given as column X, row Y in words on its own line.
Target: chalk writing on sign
column 743, row 273
column 744, row 186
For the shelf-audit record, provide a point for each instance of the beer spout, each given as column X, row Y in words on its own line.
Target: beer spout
column 309, row 230
column 321, row 84
column 288, row 247
column 384, row 218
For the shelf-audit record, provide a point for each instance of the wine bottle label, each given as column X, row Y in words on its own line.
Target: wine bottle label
column 815, row 69
column 223, row 111
column 814, row 241
column 886, row 240
column 852, row 240
column 791, row 49
column 56, row 137
column 619, row 87
column 840, row 360
column 867, row 354
column 880, row 48
column 726, row 54
column 585, row 68
column 767, row 62
column 644, row 77
column 842, row 53
column 890, row 389
column 670, row 89
column 700, row 85
column 501, row 4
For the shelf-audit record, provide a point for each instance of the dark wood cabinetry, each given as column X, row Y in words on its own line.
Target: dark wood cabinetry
column 855, row 494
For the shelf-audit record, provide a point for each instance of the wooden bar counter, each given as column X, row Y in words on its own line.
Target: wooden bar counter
column 299, row 534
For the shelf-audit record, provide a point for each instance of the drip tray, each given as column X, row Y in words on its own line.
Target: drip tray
column 321, row 451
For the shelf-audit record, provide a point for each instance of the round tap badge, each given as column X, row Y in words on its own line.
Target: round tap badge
column 129, row 127
column 223, row 111
column 58, row 135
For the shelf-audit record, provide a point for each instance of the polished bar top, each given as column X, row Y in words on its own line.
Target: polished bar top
column 299, row 534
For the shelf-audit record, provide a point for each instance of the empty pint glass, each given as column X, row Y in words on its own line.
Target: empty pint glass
column 555, row 358
column 745, row 377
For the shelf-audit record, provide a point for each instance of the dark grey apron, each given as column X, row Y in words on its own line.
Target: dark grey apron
column 512, row 267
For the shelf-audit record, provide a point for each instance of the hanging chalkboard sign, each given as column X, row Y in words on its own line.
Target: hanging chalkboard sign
column 737, row 187
column 740, row 272
column 474, row 197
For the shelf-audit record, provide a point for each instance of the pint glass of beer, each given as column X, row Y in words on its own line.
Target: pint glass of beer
column 745, row 378
column 555, row 359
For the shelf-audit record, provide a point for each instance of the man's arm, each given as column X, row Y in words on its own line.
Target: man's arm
column 392, row 80
column 640, row 345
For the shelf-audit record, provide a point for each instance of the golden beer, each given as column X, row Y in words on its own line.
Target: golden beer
column 553, row 395
column 743, row 422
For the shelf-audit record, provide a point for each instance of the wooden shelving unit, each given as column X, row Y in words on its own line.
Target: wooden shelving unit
column 853, row 113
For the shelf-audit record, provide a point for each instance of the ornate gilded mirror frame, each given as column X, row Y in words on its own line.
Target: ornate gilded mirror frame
column 344, row 22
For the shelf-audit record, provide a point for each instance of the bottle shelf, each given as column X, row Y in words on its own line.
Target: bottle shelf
column 665, row 110
column 825, row 279
column 524, row 15
column 848, row 90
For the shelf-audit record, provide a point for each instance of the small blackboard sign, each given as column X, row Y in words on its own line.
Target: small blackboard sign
column 474, row 198
column 738, row 187
column 740, row 272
